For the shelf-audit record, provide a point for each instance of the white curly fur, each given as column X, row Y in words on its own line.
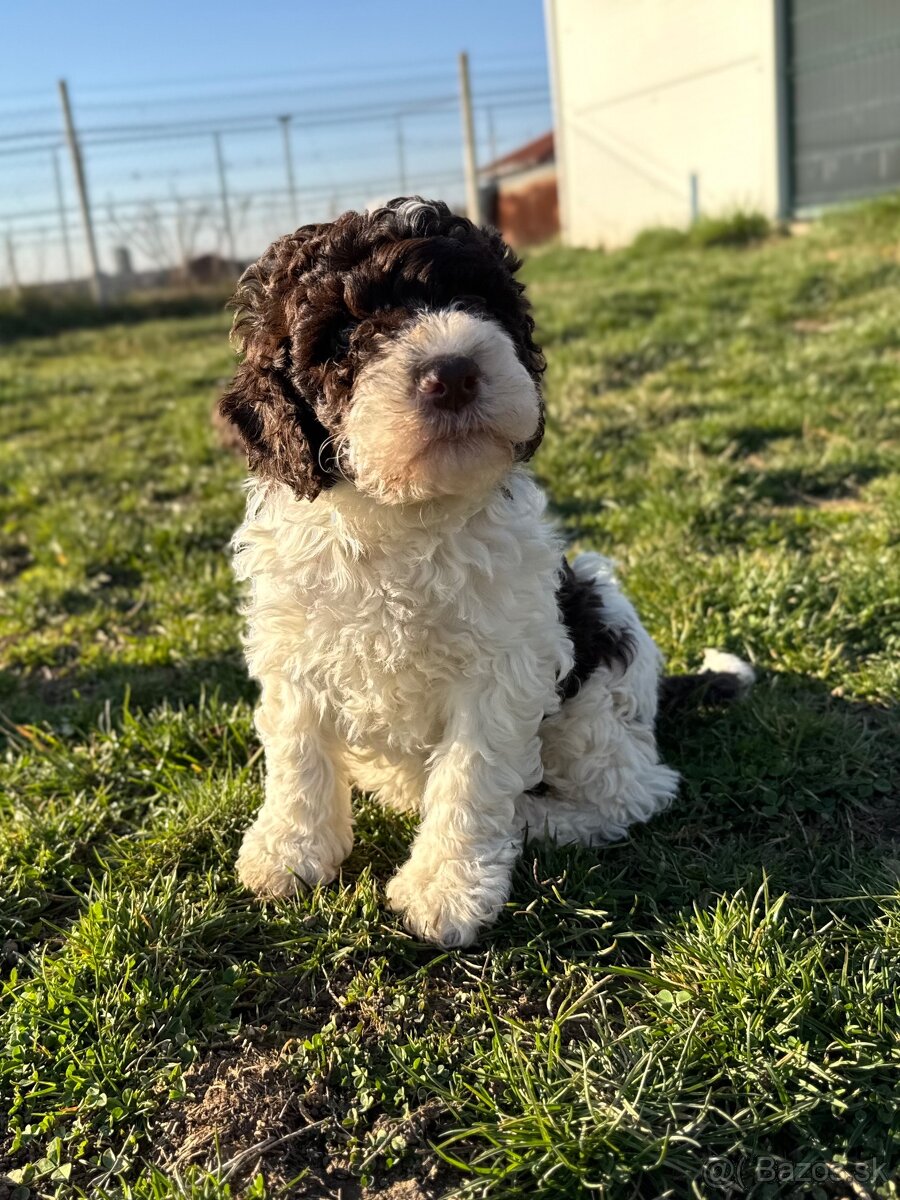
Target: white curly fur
column 406, row 635
column 414, row 650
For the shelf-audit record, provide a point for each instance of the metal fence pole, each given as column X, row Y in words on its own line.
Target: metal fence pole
column 83, row 201
column 289, row 167
column 63, row 222
column 473, row 199
column 223, row 192
column 14, row 285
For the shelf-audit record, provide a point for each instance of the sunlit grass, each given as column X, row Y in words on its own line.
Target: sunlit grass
column 724, row 422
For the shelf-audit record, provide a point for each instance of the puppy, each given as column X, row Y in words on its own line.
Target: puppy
column 413, row 624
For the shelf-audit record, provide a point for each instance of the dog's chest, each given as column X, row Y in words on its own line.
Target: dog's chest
column 387, row 645
column 388, row 637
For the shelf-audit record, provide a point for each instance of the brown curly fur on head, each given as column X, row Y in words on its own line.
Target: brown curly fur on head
column 309, row 311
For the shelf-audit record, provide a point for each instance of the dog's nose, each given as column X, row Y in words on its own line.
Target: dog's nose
column 449, row 383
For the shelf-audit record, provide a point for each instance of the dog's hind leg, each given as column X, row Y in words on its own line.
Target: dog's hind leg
column 303, row 831
column 602, row 772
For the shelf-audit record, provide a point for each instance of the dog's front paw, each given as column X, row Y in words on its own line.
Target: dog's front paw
column 447, row 903
column 271, row 866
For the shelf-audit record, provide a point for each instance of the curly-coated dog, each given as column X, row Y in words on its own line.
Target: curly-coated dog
column 413, row 623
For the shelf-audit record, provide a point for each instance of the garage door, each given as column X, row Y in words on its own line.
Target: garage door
column 843, row 64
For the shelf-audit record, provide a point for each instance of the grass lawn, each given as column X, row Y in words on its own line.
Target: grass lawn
column 708, row 1001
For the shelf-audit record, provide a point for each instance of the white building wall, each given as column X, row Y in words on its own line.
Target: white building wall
column 647, row 92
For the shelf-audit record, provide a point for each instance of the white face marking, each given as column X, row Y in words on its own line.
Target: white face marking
column 402, row 448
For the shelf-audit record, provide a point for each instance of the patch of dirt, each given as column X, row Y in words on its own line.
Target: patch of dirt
column 244, row 1112
column 8, row 1162
column 406, row 1189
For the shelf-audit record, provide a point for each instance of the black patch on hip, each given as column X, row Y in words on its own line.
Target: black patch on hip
column 594, row 641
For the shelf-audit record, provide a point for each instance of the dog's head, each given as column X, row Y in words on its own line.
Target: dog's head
column 393, row 349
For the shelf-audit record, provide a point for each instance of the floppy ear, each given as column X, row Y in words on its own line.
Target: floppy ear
column 279, row 428
column 280, row 432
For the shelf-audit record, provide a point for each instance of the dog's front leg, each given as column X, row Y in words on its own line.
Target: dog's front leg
column 457, row 877
column 303, row 831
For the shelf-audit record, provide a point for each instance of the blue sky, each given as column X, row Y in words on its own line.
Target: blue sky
column 370, row 87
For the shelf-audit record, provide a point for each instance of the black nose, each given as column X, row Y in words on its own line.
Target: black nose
column 449, row 383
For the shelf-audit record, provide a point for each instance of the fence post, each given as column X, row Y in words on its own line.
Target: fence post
column 81, row 185
column 289, row 166
column 63, row 222
column 223, row 191
column 473, row 199
column 14, row 285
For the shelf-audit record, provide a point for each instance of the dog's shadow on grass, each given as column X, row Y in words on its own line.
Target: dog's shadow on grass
column 793, row 788
column 795, row 785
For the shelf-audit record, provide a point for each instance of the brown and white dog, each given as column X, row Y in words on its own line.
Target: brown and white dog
column 413, row 624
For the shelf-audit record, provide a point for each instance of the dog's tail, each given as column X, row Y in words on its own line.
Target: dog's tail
column 722, row 679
